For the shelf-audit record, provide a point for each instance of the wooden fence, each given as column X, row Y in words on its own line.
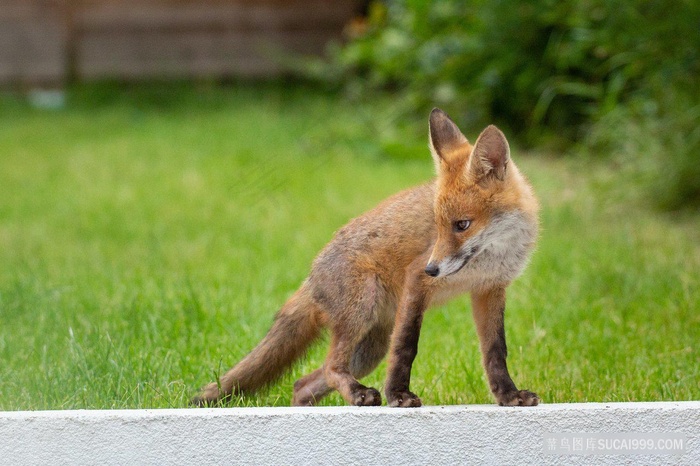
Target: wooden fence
column 48, row 42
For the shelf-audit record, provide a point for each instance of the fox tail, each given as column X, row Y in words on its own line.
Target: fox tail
column 295, row 327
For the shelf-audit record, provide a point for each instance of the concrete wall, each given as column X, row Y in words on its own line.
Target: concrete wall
column 342, row 435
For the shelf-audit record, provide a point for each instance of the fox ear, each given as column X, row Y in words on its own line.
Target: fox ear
column 444, row 137
column 490, row 155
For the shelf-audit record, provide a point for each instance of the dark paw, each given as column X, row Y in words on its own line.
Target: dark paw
column 519, row 398
column 366, row 397
column 403, row 399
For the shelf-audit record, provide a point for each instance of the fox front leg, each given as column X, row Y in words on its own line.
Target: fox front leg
column 488, row 309
column 404, row 346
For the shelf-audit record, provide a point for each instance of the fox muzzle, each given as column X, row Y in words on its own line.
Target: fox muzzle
column 432, row 269
column 451, row 265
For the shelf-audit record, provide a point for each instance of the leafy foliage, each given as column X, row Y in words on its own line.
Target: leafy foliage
column 547, row 70
column 545, row 63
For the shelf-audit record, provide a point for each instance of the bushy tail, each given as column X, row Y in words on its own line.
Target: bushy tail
column 295, row 327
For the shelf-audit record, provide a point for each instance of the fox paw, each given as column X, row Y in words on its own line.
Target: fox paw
column 403, row 399
column 519, row 398
column 366, row 397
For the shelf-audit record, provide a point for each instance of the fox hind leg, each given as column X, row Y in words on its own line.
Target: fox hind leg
column 339, row 376
column 309, row 389
column 367, row 355
column 371, row 350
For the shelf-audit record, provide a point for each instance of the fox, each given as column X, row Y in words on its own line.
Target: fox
column 472, row 230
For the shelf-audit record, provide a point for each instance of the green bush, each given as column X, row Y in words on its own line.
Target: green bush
column 547, row 70
column 659, row 145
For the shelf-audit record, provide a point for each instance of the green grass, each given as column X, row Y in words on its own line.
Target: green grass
column 148, row 236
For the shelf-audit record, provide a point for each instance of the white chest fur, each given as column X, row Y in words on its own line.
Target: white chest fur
column 503, row 247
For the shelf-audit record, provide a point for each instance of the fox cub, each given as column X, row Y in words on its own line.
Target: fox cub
column 470, row 230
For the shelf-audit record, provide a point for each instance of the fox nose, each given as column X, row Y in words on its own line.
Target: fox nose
column 432, row 269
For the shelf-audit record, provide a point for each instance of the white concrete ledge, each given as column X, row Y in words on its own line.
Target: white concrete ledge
column 341, row 435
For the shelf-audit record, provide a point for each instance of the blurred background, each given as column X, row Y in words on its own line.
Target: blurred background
column 54, row 42
column 598, row 76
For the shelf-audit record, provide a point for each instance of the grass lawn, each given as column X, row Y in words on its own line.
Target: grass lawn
column 148, row 236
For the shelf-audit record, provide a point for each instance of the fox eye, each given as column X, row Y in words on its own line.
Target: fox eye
column 461, row 225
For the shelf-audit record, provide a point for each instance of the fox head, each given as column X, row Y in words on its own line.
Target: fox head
column 479, row 196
